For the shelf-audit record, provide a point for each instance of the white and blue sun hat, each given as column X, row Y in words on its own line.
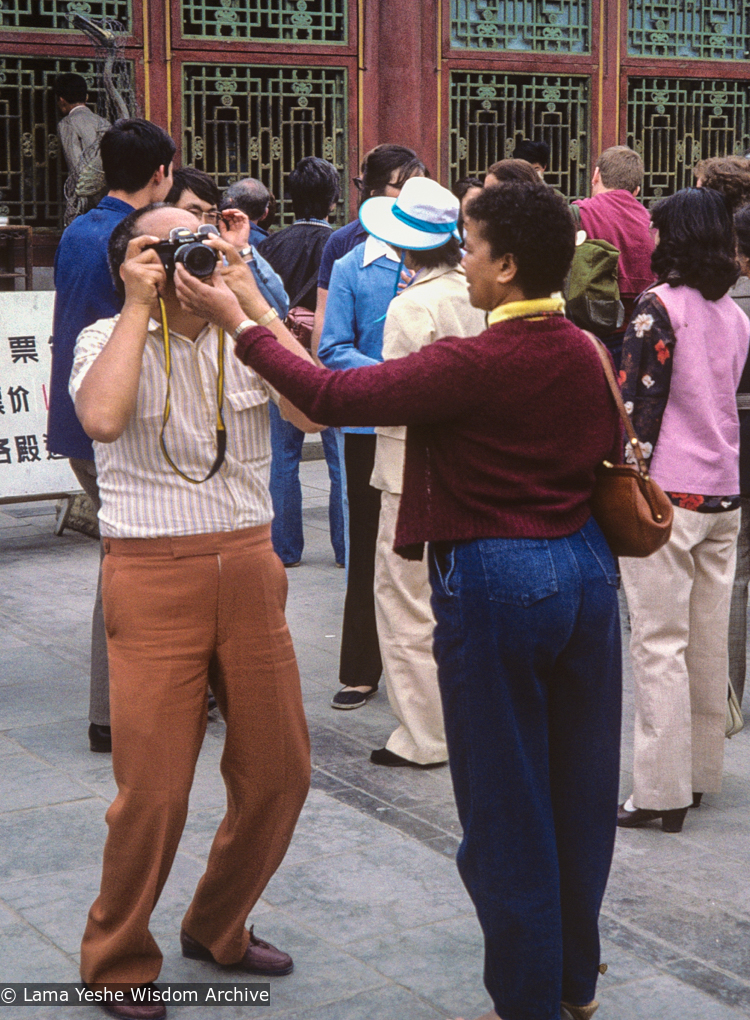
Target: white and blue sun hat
column 424, row 216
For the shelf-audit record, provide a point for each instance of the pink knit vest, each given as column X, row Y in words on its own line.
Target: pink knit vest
column 699, row 441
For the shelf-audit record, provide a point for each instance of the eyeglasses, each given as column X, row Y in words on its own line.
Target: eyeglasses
column 212, row 216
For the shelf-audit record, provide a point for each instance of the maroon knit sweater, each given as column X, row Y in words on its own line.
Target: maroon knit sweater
column 505, row 429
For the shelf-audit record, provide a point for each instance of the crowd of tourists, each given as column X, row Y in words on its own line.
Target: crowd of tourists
column 433, row 343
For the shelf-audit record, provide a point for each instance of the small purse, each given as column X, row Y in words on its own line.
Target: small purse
column 300, row 320
column 633, row 512
column 735, row 721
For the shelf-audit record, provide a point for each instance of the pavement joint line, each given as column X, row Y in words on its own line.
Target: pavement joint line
column 47, row 804
column 38, row 931
column 680, row 955
column 386, row 804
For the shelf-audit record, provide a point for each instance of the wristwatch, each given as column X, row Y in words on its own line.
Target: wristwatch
column 269, row 316
column 245, row 324
column 245, row 252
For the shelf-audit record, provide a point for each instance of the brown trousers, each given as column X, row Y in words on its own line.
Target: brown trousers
column 176, row 609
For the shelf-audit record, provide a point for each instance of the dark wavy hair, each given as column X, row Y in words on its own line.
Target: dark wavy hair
column 696, row 242
column 532, row 223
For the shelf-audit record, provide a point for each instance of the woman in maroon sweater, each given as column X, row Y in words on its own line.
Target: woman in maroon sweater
column 505, row 432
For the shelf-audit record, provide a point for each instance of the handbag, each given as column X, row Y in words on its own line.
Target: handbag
column 633, row 512
column 735, row 721
column 300, row 320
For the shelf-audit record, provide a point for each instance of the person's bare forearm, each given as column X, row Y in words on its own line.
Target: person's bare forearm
column 106, row 398
column 320, row 314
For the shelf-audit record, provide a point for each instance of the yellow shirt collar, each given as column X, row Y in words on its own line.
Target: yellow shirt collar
column 554, row 305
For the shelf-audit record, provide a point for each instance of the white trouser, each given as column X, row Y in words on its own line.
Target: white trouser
column 405, row 625
column 679, row 612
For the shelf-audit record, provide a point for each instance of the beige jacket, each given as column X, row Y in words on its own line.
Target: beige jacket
column 435, row 305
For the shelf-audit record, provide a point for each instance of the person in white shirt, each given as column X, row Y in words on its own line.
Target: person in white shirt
column 191, row 587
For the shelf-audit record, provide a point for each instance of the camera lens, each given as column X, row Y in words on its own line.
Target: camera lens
column 197, row 258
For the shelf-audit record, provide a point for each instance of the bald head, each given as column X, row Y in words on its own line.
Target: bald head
column 250, row 196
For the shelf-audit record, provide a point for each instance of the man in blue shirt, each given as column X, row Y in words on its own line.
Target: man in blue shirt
column 294, row 253
column 136, row 157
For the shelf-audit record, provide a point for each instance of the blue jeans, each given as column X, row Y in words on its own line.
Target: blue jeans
column 286, row 491
column 527, row 643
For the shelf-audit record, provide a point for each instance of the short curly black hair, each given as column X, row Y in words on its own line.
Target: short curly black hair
column 696, row 242
column 532, row 223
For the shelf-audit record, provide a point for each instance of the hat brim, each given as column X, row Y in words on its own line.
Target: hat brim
column 376, row 216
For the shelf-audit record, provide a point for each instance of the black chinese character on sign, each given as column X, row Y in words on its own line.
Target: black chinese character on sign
column 2, row 409
column 52, row 456
column 19, row 399
column 27, row 449
column 23, row 348
column 5, row 451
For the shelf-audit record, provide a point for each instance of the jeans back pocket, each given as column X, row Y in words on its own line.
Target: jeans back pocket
column 517, row 571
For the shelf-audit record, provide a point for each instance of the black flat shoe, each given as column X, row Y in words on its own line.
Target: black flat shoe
column 347, row 700
column 671, row 821
column 697, row 798
column 100, row 739
column 382, row 756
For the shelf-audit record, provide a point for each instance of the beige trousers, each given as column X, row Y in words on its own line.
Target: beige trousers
column 679, row 612
column 405, row 625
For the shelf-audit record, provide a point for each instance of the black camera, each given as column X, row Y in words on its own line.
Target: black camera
column 190, row 250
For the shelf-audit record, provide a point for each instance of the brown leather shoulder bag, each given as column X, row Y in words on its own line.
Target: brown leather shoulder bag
column 631, row 509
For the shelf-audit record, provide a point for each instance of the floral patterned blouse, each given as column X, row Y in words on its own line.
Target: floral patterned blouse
column 645, row 378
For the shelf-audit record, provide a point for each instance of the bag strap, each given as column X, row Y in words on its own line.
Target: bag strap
column 308, row 284
column 603, row 353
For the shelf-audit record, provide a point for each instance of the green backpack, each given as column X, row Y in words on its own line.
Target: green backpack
column 591, row 290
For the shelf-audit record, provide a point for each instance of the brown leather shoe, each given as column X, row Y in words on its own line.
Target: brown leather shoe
column 260, row 957
column 130, row 1009
column 568, row 1012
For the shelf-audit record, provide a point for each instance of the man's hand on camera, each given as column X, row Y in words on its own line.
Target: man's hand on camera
column 234, row 227
column 142, row 272
column 239, row 278
column 213, row 301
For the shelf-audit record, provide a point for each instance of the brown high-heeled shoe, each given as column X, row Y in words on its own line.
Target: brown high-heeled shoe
column 568, row 1012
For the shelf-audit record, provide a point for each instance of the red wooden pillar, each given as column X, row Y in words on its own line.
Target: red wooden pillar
column 399, row 102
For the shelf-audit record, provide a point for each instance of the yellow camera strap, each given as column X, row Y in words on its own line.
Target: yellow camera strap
column 221, row 430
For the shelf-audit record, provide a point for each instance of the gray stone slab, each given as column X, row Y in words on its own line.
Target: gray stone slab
column 50, row 839
column 665, row 998
column 353, row 895
column 55, row 904
column 28, row 955
column 441, row 962
column 26, row 782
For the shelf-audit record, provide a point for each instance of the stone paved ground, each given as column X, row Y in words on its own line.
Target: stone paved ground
column 368, row 899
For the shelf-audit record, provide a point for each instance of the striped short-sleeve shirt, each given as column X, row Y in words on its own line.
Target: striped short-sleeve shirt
column 142, row 497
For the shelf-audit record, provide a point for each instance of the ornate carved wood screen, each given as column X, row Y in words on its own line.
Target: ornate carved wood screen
column 668, row 78
column 37, row 42
column 261, row 83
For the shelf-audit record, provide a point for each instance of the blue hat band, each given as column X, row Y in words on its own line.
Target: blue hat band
column 423, row 225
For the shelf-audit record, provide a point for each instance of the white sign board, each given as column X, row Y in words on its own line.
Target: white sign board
column 26, row 467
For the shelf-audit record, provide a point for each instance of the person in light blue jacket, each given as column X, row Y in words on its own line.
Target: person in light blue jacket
column 362, row 285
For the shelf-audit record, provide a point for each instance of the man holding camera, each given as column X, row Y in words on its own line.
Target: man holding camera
column 191, row 585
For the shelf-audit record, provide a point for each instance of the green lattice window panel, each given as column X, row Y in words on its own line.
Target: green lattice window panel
column 273, row 21
column 491, row 112
column 673, row 123
column 243, row 121
column 689, row 29
column 32, row 165
column 547, row 26
column 56, row 15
